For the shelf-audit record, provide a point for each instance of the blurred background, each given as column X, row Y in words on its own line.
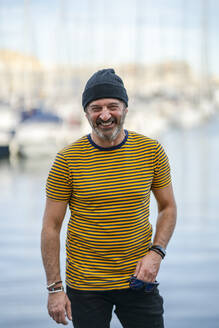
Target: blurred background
column 167, row 55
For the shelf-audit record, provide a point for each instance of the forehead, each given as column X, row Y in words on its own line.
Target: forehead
column 105, row 102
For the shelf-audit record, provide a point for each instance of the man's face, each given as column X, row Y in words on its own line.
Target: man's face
column 106, row 117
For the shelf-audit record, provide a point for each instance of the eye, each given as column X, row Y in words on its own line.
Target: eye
column 96, row 109
column 113, row 107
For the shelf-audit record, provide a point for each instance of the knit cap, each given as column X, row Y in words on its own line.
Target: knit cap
column 104, row 84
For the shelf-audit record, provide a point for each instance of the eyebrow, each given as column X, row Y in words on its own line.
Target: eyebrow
column 92, row 106
column 110, row 104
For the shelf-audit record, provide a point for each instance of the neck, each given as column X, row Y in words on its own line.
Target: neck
column 105, row 143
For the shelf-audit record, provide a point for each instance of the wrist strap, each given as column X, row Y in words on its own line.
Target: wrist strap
column 156, row 251
column 56, row 290
column 159, row 250
column 53, row 284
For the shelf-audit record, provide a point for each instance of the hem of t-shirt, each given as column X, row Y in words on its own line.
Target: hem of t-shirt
column 57, row 199
column 97, row 289
column 108, row 148
column 164, row 186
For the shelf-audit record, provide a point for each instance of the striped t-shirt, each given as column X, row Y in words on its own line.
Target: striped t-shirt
column 108, row 190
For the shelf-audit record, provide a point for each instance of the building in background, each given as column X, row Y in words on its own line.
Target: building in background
column 162, row 53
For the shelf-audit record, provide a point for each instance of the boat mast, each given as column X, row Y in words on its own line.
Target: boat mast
column 205, row 88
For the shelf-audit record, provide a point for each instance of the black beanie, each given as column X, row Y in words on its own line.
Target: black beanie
column 104, row 84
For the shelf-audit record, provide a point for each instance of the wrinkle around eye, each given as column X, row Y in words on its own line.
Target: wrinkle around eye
column 95, row 110
column 114, row 108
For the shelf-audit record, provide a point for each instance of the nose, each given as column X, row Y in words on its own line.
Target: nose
column 105, row 114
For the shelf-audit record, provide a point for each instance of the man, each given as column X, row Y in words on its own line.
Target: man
column 106, row 178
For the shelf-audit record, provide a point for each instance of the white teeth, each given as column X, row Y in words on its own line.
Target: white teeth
column 105, row 124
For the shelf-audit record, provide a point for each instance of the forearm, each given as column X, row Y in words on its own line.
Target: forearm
column 59, row 305
column 50, row 249
column 50, row 238
column 165, row 225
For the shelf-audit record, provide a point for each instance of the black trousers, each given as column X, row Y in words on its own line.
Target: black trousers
column 135, row 309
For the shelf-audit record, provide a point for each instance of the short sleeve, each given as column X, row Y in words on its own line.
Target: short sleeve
column 162, row 177
column 59, row 186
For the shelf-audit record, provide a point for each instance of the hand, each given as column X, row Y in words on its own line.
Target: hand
column 147, row 268
column 59, row 307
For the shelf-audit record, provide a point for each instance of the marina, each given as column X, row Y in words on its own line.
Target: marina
column 167, row 55
column 188, row 276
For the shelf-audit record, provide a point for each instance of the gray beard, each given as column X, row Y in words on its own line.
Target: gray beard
column 115, row 133
column 111, row 137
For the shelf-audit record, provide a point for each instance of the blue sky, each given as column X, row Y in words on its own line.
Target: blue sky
column 100, row 32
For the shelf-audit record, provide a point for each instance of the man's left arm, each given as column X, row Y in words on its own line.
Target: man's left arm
column 147, row 268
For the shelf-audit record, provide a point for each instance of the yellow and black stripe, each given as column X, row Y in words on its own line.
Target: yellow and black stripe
column 108, row 190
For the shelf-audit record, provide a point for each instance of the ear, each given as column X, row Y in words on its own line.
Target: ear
column 85, row 112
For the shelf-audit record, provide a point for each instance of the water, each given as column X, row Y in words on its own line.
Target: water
column 189, row 274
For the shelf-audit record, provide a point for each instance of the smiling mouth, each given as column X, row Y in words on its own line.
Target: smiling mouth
column 107, row 124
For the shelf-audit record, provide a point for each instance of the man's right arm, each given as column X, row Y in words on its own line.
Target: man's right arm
column 58, row 303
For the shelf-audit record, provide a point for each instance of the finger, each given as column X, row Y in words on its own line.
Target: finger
column 55, row 317
column 145, row 275
column 59, row 317
column 68, row 309
column 137, row 269
column 142, row 273
column 62, row 318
